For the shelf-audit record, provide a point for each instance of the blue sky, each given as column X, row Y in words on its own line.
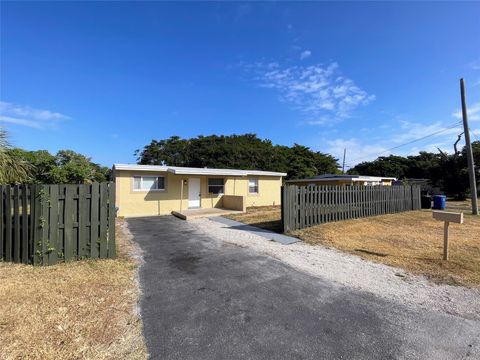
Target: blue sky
column 105, row 78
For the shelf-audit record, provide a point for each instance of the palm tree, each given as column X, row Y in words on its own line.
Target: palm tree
column 12, row 170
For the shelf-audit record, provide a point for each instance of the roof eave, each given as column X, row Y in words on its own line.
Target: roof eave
column 199, row 171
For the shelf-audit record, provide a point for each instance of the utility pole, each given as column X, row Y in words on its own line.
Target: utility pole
column 343, row 165
column 468, row 145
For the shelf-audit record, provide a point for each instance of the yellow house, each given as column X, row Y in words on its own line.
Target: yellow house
column 332, row 179
column 146, row 190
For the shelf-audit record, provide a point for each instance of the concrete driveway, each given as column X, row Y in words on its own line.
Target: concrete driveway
column 203, row 299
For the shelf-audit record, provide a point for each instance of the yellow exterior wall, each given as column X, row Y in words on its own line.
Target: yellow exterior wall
column 269, row 189
column 149, row 203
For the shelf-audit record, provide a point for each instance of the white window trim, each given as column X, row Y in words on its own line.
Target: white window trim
column 148, row 190
column 258, row 186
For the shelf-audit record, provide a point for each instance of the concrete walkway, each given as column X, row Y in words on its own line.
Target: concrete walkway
column 269, row 235
column 205, row 299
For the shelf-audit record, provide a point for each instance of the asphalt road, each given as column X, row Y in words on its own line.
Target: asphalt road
column 203, row 299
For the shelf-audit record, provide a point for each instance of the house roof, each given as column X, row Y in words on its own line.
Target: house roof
column 354, row 178
column 178, row 170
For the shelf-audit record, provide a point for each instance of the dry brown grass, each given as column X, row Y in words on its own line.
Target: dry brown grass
column 265, row 217
column 410, row 240
column 79, row 310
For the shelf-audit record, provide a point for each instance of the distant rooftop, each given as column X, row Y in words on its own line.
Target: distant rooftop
column 329, row 177
column 178, row 170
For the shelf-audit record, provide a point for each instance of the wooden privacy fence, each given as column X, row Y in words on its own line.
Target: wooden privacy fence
column 47, row 224
column 304, row 206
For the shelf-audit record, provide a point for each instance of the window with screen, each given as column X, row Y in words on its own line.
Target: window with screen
column 215, row 186
column 147, row 183
column 253, row 186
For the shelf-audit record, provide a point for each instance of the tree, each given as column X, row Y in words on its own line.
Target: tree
column 394, row 166
column 41, row 161
column 12, row 169
column 245, row 151
column 304, row 163
column 476, row 160
column 66, row 167
column 448, row 172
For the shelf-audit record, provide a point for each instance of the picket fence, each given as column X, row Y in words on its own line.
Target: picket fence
column 304, row 206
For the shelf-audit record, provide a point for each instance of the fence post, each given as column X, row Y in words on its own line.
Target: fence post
column 103, row 219
column 37, row 226
column 94, row 248
column 82, row 221
column 25, row 230
column 282, row 202
column 68, row 224
column 45, row 200
column 111, row 220
column 8, row 225
column 16, row 223
column 53, row 225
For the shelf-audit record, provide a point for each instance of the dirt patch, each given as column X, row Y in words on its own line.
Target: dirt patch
column 83, row 309
column 265, row 217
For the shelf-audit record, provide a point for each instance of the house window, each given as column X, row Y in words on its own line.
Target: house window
column 253, row 186
column 146, row 183
column 215, row 186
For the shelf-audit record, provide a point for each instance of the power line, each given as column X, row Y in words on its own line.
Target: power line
column 451, row 126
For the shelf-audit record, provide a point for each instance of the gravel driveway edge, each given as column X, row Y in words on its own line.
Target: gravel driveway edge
column 354, row 272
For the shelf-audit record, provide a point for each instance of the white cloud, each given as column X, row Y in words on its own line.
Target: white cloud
column 319, row 91
column 475, row 65
column 322, row 120
column 423, row 137
column 305, row 54
column 473, row 112
column 475, row 134
column 356, row 149
column 361, row 150
column 27, row 116
column 412, row 131
column 402, row 137
column 19, row 121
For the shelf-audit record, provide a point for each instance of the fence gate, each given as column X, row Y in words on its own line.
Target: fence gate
column 46, row 224
column 304, row 206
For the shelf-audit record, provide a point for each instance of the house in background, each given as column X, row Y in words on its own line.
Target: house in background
column 146, row 190
column 332, row 179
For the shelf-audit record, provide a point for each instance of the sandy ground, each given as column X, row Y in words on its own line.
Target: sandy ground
column 78, row 310
column 352, row 271
column 134, row 252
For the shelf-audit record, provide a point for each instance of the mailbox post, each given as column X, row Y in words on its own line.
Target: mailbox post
column 446, row 224
column 447, row 217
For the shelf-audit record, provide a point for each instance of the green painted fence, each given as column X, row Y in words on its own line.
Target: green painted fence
column 47, row 224
column 304, row 206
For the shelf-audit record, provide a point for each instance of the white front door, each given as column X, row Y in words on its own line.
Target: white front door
column 194, row 193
